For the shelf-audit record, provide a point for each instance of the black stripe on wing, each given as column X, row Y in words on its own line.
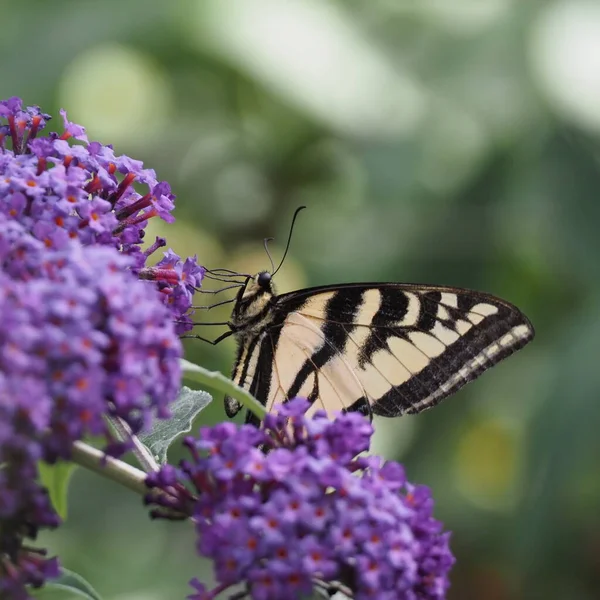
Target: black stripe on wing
column 260, row 386
column 429, row 385
column 453, row 368
column 393, row 307
column 346, row 303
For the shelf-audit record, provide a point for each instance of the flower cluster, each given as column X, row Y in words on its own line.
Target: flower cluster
column 305, row 510
column 81, row 338
column 88, row 329
column 61, row 191
column 24, row 509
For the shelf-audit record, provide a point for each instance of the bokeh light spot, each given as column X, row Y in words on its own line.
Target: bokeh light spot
column 460, row 17
column 118, row 92
column 486, row 465
column 241, row 194
column 309, row 53
column 565, row 59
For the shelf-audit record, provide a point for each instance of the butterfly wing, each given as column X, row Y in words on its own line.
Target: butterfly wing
column 385, row 349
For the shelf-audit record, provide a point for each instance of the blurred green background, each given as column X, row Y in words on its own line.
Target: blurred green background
column 440, row 141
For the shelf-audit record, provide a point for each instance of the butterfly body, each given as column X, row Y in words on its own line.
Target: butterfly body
column 379, row 348
column 252, row 311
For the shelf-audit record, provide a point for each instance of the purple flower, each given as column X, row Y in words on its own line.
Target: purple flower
column 85, row 332
column 60, row 191
column 177, row 281
column 80, row 338
column 24, row 510
column 72, row 129
column 23, row 125
column 26, row 567
column 24, row 504
column 308, row 510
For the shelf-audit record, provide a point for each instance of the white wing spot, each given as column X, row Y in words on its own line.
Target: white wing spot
column 384, row 362
column 514, row 335
column 480, row 311
column 428, row 344
column 371, row 300
column 444, row 334
column 307, row 386
column 449, row 299
column 462, row 326
column 365, row 314
column 442, row 313
column 413, row 358
column 314, row 307
column 412, row 311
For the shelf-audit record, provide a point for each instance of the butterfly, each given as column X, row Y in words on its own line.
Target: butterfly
column 384, row 349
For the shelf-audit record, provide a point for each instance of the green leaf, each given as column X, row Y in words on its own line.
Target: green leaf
column 56, row 478
column 188, row 404
column 69, row 582
column 218, row 381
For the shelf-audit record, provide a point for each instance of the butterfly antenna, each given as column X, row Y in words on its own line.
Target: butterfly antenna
column 287, row 246
column 226, row 273
column 266, row 244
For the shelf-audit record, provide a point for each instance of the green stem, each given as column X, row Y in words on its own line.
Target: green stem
column 143, row 455
column 93, row 459
column 218, row 381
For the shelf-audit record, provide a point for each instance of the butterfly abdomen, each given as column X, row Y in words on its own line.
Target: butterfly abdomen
column 253, row 313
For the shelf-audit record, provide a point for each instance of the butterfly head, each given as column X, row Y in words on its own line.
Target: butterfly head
column 259, row 285
column 263, row 280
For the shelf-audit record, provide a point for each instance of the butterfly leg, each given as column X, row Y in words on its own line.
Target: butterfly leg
column 216, row 304
column 223, row 289
column 213, row 342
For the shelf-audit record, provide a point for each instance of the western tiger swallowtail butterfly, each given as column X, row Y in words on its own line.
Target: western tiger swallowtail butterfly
column 378, row 348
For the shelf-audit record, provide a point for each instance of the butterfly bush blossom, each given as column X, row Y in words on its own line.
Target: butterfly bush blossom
column 83, row 333
column 88, row 328
column 308, row 511
column 63, row 191
column 81, row 338
column 24, row 505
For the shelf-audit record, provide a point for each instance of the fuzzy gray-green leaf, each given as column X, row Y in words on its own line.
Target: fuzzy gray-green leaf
column 184, row 410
